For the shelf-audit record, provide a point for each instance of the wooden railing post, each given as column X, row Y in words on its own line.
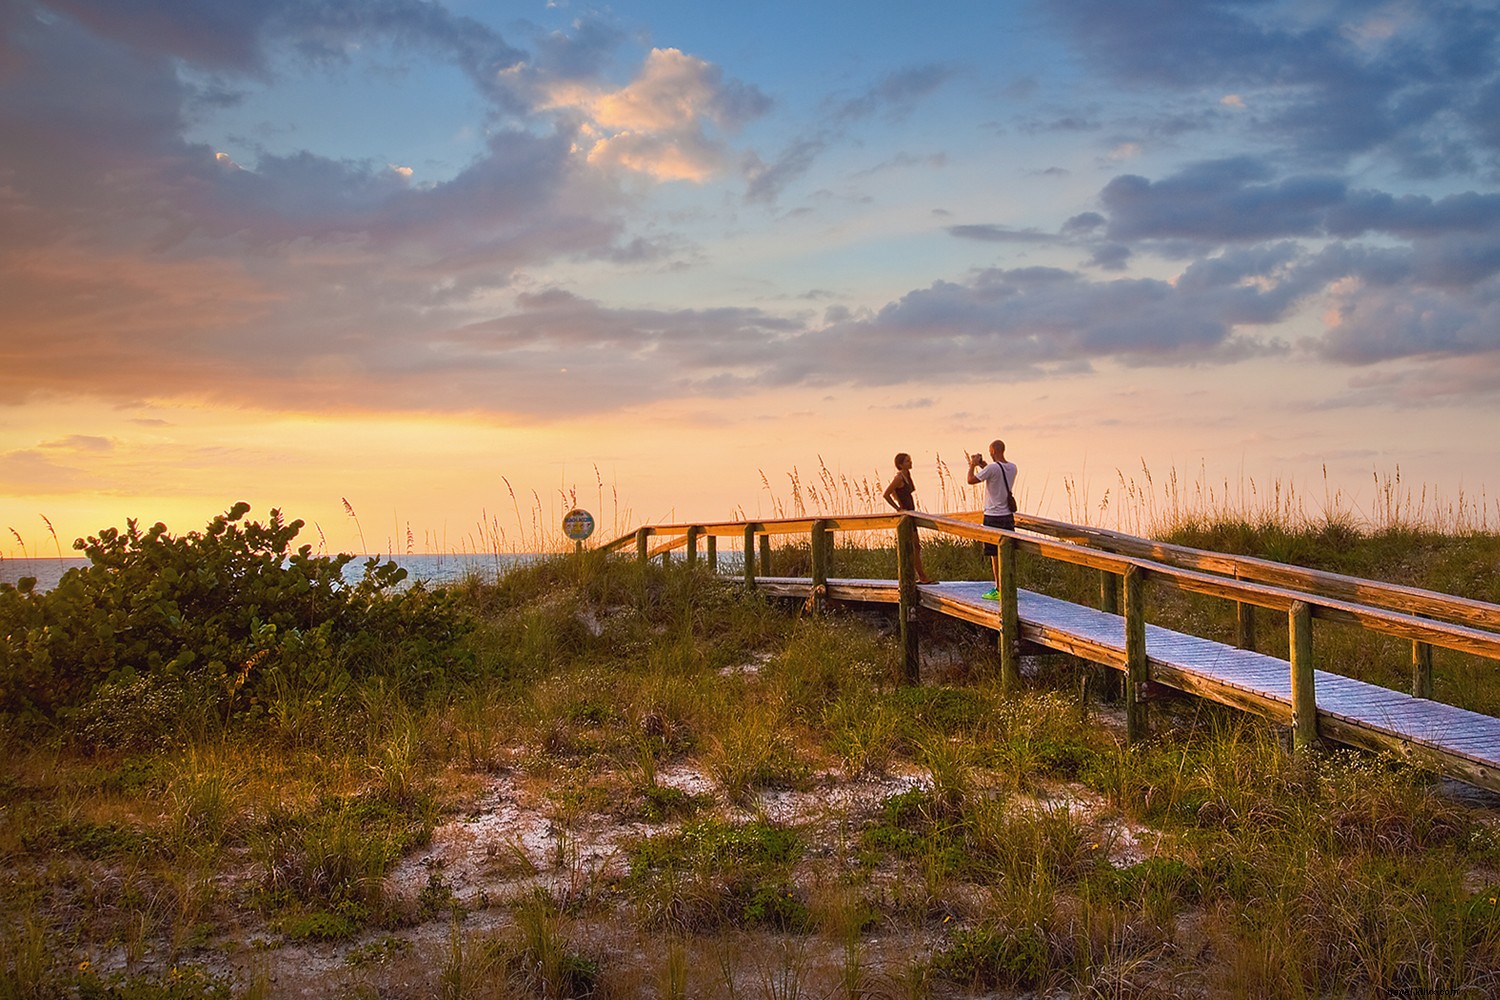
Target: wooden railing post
column 1136, row 719
column 643, row 544
column 819, row 564
column 765, row 554
column 1304, row 697
column 692, row 545
column 906, row 581
column 1109, row 603
column 1244, row 625
column 1010, row 621
column 1421, row 669
column 713, row 554
column 750, row 556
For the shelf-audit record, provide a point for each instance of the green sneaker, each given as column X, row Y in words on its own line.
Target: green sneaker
column 993, row 594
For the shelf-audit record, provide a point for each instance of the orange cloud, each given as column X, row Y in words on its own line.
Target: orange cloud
column 655, row 124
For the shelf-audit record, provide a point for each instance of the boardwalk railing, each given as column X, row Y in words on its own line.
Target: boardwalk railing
column 1126, row 565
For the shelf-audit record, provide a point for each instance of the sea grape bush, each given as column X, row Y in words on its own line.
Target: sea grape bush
column 232, row 616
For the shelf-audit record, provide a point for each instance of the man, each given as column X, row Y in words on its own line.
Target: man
column 999, row 479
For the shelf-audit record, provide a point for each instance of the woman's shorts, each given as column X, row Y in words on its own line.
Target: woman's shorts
column 1006, row 521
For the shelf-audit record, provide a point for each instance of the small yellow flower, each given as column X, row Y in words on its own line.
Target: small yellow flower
column 84, row 965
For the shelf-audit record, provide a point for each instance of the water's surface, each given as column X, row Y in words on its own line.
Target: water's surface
column 434, row 569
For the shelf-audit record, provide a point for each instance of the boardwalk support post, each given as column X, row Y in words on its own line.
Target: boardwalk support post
column 1136, row 719
column 692, row 544
column 1109, row 603
column 906, row 581
column 765, row 554
column 750, row 555
column 643, row 544
column 818, row 543
column 1010, row 619
column 1421, row 669
column 1304, row 697
column 713, row 554
column 1244, row 625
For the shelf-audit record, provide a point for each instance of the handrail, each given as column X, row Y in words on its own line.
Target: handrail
column 1374, row 593
column 1335, row 591
column 1377, row 606
column 1424, row 617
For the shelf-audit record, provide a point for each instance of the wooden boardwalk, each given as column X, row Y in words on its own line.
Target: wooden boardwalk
column 1452, row 740
column 1319, row 704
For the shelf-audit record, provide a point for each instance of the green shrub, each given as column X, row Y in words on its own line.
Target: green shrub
column 231, row 619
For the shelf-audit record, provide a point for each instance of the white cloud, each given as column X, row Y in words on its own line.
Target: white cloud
column 655, row 124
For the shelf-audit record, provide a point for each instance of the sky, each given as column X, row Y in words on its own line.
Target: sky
column 428, row 274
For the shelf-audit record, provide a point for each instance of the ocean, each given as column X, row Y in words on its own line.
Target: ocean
column 431, row 569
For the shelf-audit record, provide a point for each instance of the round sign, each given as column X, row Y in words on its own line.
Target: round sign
column 578, row 524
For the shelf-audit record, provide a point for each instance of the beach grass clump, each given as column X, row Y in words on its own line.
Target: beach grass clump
column 713, row 874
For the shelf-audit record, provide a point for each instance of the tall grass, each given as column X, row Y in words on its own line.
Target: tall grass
column 844, row 835
column 1143, row 503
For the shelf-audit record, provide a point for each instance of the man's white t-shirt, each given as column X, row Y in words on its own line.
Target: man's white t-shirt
column 994, row 477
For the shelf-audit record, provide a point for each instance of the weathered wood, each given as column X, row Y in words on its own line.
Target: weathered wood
column 1136, row 669
column 1338, row 586
column 1010, row 620
column 1317, row 704
column 819, row 549
column 692, row 545
column 906, row 579
column 1421, row 670
column 713, row 553
column 1102, row 549
column 1244, row 625
column 1304, row 696
column 1390, row 622
column 750, row 556
column 1110, row 683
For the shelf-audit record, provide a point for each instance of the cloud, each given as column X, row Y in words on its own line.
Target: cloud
column 766, row 181
column 1337, row 81
column 81, row 442
column 1372, row 323
column 655, row 124
column 896, row 94
column 1219, row 201
column 989, row 233
column 1454, row 240
column 32, row 473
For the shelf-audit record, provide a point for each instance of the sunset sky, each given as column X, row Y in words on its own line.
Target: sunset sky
column 464, row 264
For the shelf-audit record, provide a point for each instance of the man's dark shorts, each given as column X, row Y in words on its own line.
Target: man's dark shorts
column 1006, row 521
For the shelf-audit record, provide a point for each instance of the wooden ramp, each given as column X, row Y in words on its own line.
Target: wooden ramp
column 1452, row 740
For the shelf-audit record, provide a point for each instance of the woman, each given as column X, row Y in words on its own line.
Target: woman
column 899, row 496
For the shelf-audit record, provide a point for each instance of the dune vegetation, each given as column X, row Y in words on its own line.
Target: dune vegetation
column 228, row 773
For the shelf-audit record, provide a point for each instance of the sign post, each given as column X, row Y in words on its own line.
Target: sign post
column 578, row 524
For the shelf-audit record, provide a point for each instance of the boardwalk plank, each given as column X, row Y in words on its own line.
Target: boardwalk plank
column 1462, row 742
